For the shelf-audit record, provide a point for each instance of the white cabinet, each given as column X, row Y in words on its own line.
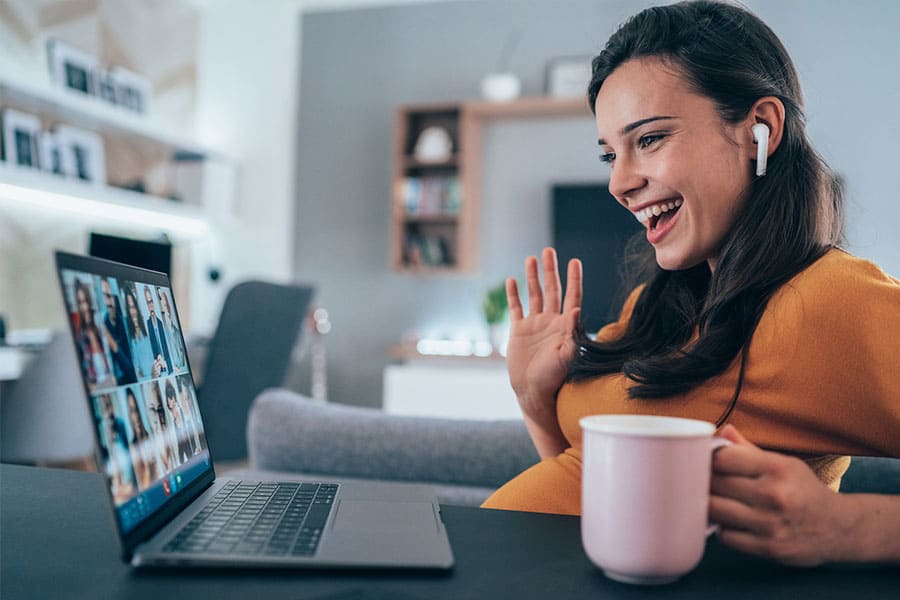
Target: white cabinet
column 456, row 389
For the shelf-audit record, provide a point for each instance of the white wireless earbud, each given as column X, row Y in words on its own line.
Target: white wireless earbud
column 761, row 139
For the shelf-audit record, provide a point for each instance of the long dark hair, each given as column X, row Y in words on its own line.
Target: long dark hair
column 732, row 57
column 140, row 432
column 132, row 329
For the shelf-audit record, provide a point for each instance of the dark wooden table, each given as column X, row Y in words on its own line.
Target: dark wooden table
column 57, row 541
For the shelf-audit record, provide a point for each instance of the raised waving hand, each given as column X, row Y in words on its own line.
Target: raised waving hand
column 541, row 345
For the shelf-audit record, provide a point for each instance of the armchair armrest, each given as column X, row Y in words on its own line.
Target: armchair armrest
column 289, row 432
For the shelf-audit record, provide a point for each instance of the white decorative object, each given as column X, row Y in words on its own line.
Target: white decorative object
column 569, row 77
column 501, row 87
column 433, row 145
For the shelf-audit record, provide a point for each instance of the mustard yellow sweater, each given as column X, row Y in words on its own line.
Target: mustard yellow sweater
column 822, row 381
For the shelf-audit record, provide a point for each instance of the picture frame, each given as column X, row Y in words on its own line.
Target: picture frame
column 21, row 139
column 51, row 154
column 131, row 90
column 568, row 76
column 105, row 86
column 72, row 68
column 83, row 154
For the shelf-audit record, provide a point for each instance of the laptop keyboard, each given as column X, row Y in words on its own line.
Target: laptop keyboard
column 252, row 518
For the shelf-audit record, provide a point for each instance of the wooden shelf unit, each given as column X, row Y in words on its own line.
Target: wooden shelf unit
column 435, row 231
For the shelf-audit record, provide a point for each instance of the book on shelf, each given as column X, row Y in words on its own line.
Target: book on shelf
column 427, row 250
column 431, row 195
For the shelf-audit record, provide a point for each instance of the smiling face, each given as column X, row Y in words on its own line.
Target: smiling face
column 675, row 164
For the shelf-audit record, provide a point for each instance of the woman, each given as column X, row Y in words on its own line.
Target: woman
column 142, row 451
column 146, row 365
column 189, row 411
column 94, row 361
column 118, row 461
column 173, row 330
column 183, row 443
column 161, row 430
column 748, row 314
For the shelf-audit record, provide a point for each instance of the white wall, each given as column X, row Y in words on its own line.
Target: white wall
column 247, row 71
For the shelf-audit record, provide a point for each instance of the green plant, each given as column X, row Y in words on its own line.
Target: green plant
column 495, row 304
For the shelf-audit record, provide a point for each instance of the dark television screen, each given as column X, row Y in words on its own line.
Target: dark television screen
column 156, row 256
column 589, row 224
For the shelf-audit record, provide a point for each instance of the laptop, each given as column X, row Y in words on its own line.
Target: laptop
column 169, row 507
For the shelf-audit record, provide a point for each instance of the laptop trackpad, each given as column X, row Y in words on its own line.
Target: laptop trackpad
column 377, row 516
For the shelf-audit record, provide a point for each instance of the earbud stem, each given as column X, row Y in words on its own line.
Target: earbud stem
column 761, row 138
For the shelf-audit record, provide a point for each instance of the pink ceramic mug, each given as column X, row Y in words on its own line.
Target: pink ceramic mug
column 645, row 484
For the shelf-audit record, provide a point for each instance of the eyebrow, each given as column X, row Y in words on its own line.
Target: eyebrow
column 632, row 126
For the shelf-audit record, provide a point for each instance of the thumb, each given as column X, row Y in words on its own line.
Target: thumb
column 731, row 433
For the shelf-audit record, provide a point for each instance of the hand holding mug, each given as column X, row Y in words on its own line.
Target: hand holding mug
column 773, row 505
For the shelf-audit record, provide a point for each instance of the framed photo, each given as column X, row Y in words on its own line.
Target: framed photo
column 105, row 86
column 568, row 76
column 21, row 138
column 132, row 91
column 51, row 154
column 83, row 154
column 72, row 68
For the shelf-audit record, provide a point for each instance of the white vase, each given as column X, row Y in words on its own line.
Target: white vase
column 501, row 87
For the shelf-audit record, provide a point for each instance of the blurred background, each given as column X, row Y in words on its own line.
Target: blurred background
column 402, row 158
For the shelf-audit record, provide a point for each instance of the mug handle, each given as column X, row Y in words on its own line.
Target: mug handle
column 715, row 444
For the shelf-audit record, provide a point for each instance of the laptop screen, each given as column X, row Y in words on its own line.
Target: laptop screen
column 143, row 403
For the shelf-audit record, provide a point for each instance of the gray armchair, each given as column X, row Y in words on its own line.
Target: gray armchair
column 464, row 460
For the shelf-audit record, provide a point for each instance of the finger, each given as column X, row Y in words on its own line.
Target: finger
column 535, row 295
column 745, row 541
column 746, row 490
column 512, row 299
column 731, row 433
column 572, row 321
column 746, row 461
column 552, row 284
column 573, row 285
column 734, row 515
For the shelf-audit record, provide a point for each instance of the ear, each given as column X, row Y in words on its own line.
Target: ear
column 768, row 110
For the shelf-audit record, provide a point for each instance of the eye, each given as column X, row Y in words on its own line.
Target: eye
column 607, row 157
column 648, row 140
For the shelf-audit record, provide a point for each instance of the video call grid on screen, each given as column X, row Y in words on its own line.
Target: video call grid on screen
column 144, row 405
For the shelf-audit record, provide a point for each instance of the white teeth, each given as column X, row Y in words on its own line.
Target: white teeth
column 644, row 214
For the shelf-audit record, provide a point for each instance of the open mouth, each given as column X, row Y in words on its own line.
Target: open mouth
column 658, row 215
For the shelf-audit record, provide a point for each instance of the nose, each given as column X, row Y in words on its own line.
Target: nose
column 625, row 179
